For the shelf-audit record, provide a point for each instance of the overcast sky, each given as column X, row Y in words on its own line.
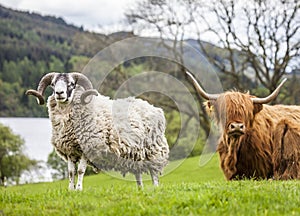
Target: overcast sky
column 92, row 14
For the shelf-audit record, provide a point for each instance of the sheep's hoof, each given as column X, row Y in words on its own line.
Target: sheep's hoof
column 79, row 188
column 72, row 187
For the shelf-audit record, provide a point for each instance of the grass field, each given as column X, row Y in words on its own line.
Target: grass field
column 187, row 190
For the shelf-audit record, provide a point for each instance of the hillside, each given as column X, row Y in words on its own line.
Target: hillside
column 37, row 37
column 32, row 45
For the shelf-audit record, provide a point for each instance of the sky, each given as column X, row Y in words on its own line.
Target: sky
column 100, row 16
column 93, row 15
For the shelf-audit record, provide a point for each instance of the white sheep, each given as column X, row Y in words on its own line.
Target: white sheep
column 125, row 135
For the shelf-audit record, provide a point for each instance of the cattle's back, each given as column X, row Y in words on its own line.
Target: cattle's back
column 270, row 116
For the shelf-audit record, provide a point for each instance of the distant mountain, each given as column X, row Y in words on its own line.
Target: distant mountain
column 32, row 44
column 38, row 37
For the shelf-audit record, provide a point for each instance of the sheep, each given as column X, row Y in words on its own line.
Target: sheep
column 125, row 135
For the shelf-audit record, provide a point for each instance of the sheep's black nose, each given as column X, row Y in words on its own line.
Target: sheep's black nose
column 59, row 92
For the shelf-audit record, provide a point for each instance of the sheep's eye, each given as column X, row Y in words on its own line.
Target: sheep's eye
column 71, row 85
column 52, row 85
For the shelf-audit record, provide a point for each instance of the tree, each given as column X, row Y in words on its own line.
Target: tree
column 13, row 162
column 259, row 39
column 60, row 168
column 267, row 34
column 257, row 36
column 58, row 165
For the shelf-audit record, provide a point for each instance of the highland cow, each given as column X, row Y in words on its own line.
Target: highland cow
column 258, row 141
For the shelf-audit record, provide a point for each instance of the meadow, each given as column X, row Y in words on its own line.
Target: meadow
column 187, row 190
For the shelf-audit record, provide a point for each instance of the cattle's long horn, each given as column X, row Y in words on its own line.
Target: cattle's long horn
column 39, row 93
column 271, row 97
column 200, row 90
column 82, row 80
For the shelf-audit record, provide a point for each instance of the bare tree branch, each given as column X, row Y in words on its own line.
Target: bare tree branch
column 257, row 35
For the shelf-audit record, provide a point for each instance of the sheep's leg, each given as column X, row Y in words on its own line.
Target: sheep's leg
column 71, row 172
column 154, row 177
column 139, row 181
column 81, row 170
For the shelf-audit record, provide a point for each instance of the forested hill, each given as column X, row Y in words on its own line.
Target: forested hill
column 31, row 45
column 38, row 37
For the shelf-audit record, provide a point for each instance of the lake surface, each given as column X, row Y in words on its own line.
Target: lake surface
column 37, row 135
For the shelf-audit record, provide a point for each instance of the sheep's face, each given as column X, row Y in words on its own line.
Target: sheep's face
column 63, row 86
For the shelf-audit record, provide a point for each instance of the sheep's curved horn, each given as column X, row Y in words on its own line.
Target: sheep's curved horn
column 82, row 80
column 87, row 93
column 86, row 84
column 39, row 93
column 271, row 97
column 200, row 91
column 40, row 98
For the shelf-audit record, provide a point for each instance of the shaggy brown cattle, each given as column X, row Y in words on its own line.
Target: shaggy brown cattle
column 258, row 141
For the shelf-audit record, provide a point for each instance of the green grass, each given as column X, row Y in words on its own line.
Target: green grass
column 186, row 190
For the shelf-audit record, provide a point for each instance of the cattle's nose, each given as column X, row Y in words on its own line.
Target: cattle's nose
column 236, row 127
